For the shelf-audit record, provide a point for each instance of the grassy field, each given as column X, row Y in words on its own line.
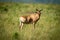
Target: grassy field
column 47, row 28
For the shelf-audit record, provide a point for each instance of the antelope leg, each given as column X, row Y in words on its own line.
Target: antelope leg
column 34, row 25
column 21, row 25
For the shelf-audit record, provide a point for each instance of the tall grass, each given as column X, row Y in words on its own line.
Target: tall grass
column 47, row 28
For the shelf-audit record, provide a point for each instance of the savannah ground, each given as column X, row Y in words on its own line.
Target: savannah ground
column 47, row 28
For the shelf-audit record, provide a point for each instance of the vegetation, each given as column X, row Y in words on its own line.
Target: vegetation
column 47, row 28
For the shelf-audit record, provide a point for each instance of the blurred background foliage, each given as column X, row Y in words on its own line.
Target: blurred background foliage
column 47, row 28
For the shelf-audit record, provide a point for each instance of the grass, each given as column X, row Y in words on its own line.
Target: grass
column 47, row 28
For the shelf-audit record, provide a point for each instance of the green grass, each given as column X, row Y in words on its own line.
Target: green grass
column 47, row 28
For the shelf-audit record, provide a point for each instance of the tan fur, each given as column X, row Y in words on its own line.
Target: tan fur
column 32, row 18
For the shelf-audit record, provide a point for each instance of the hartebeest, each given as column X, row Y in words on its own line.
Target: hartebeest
column 32, row 18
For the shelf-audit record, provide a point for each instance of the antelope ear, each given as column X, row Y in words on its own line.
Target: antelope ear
column 36, row 9
column 41, row 9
